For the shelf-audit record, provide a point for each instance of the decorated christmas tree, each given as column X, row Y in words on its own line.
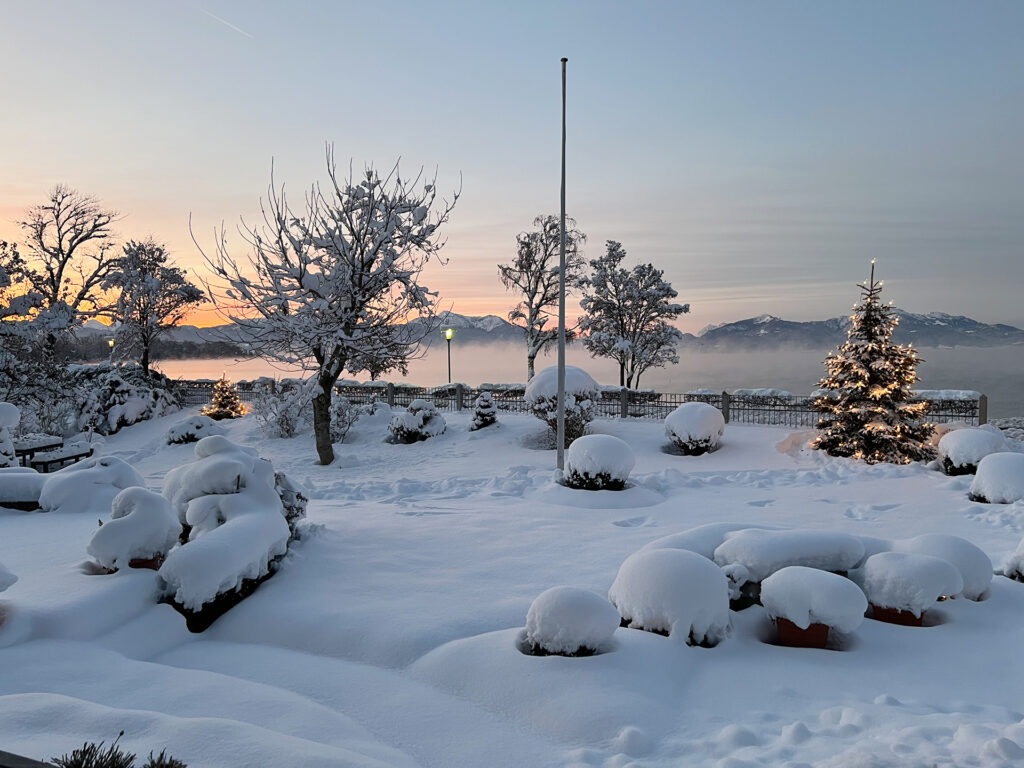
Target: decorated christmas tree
column 225, row 402
column 869, row 411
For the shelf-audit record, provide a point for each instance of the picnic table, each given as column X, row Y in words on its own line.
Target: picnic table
column 27, row 446
column 45, row 461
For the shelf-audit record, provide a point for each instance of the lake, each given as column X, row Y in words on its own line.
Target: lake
column 995, row 371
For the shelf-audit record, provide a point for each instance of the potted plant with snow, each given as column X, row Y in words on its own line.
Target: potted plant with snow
column 598, row 463
column 568, row 621
column 807, row 603
column 141, row 531
column 695, row 428
column 960, row 450
column 973, row 564
column 902, row 586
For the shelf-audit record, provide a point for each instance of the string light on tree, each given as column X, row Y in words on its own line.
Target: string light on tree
column 225, row 402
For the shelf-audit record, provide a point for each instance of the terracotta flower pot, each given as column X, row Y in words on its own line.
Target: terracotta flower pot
column 153, row 563
column 815, row 636
column 896, row 616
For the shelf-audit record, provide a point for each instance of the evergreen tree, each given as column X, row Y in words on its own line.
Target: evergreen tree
column 869, row 411
column 225, row 403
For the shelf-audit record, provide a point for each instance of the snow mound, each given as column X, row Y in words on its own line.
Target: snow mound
column 695, row 428
column 974, row 566
column 88, row 486
column 961, row 449
column 569, row 620
column 235, row 518
column 20, row 484
column 598, row 462
column 704, row 539
column 193, row 429
column 999, row 479
column 673, row 591
column 763, row 552
column 544, row 385
column 142, row 525
column 7, row 579
column 808, row 596
column 1014, row 567
column 908, row 582
column 10, row 416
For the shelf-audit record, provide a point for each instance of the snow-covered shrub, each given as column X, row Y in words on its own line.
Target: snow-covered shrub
column 675, row 592
column 9, row 418
column 581, row 393
column 974, row 566
column 7, row 579
column 904, row 581
column 808, row 596
column 293, row 500
column 568, row 621
column 999, row 479
column 109, row 398
column 960, row 450
column 142, row 526
column 88, row 486
column 598, row 462
column 344, row 415
column 283, row 409
column 420, row 422
column 193, row 429
column 1014, row 568
column 695, row 428
column 227, row 502
column 763, row 552
column 485, row 412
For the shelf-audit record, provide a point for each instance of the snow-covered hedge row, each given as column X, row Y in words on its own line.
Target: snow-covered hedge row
column 581, row 392
column 598, row 463
column 695, row 428
column 107, row 398
column 420, row 422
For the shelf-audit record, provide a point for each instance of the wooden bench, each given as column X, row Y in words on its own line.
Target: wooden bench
column 25, row 448
column 45, row 461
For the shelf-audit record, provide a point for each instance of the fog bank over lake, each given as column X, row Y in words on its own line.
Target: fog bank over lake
column 996, row 371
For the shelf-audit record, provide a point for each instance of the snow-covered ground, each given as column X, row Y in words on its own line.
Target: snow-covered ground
column 389, row 636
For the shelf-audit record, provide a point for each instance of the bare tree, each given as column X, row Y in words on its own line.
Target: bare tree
column 154, row 297
column 534, row 274
column 329, row 288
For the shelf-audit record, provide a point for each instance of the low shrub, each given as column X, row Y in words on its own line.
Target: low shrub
column 695, row 428
column 598, row 463
column 484, row 412
column 420, row 422
column 283, row 408
column 581, row 392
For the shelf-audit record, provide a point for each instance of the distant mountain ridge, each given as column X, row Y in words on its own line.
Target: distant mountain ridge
column 935, row 329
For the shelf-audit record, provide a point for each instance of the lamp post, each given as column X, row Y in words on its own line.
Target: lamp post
column 448, row 333
column 110, row 343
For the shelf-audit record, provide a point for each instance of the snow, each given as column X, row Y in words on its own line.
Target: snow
column 947, row 394
column 193, row 429
column 565, row 620
column 696, row 425
column 704, row 539
column 9, row 415
column 999, row 479
column 908, row 581
column 1014, row 567
column 142, row 525
column 674, row 591
column 763, row 552
column 20, row 484
column 965, row 447
column 762, row 392
column 544, row 385
column 87, row 487
column 591, row 456
column 808, row 596
column 973, row 564
column 7, row 579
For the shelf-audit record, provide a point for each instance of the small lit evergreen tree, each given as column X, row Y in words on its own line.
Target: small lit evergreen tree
column 225, row 403
column 869, row 411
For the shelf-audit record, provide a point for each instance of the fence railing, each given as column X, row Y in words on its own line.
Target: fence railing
column 740, row 407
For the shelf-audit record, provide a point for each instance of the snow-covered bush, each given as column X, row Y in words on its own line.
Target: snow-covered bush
column 88, row 486
column 235, row 522
column 763, row 552
column 1014, row 568
column 960, row 450
column 485, row 412
column 598, row 462
column 142, row 526
column 999, row 479
column 344, row 415
column 568, row 621
column 283, row 409
column 695, row 428
column 293, row 500
column 7, row 579
column 675, row 592
column 904, row 581
column 109, row 398
column 193, row 429
column 20, row 487
column 808, row 596
column 420, row 422
column 974, row 566
column 9, row 418
column 581, row 393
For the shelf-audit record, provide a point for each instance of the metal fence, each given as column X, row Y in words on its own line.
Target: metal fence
column 741, row 407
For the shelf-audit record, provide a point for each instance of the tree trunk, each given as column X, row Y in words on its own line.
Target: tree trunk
column 622, row 374
column 144, row 362
column 322, row 423
column 530, row 357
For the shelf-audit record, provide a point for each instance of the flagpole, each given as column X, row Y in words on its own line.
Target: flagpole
column 560, row 431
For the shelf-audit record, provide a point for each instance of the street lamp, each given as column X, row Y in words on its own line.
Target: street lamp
column 448, row 333
column 110, row 343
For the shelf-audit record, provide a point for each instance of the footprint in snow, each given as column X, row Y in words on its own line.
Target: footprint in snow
column 633, row 522
column 761, row 503
column 883, row 507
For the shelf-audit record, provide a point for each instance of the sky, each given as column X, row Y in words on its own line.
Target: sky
column 760, row 153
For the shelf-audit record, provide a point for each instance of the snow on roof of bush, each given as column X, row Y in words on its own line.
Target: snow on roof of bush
column 675, row 591
column 9, row 415
column 764, row 552
column 695, row 421
column 7, row 579
column 947, row 394
column 907, row 581
column 545, row 384
column 566, row 619
column 762, row 392
column 1000, row 478
column 808, row 596
column 704, row 539
column 238, row 525
column 974, row 566
column 88, row 486
column 197, row 427
column 969, row 446
column 600, row 454
column 142, row 525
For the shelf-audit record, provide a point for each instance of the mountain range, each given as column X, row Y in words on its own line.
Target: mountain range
column 935, row 329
